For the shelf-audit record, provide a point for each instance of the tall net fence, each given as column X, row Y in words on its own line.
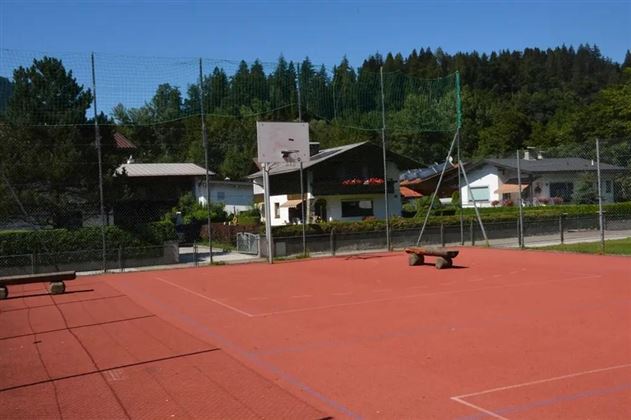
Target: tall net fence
column 70, row 125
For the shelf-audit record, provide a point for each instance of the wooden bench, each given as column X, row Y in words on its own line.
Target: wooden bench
column 444, row 257
column 56, row 286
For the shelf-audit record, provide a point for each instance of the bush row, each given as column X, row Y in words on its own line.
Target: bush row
column 489, row 215
column 83, row 239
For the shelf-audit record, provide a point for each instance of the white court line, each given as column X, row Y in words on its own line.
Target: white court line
column 542, row 381
column 446, row 292
column 460, row 399
column 477, row 407
column 232, row 308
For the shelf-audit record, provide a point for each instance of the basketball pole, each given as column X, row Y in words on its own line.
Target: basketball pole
column 267, row 213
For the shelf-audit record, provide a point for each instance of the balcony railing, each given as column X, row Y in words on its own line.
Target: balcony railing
column 338, row 188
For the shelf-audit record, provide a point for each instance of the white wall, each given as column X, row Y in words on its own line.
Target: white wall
column 486, row 176
column 544, row 183
column 236, row 196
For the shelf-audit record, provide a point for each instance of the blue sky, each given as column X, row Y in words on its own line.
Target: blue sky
column 324, row 31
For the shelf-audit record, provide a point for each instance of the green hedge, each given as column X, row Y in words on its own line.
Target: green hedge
column 489, row 215
column 84, row 239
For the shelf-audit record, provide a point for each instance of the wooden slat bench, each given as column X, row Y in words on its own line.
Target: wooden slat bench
column 55, row 287
column 444, row 257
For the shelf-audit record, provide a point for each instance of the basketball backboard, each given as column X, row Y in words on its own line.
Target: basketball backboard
column 282, row 142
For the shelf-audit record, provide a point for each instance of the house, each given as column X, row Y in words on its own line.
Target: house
column 423, row 181
column 162, row 184
column 341, row 183
column 543, row 180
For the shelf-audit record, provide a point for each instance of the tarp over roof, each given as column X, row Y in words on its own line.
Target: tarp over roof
column 134, row 170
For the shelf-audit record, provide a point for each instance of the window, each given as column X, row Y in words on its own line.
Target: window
column 562, row 189
column 277, row 210
column 608, row 186
column 358, row 208
column 479, row 194
column 221, row 195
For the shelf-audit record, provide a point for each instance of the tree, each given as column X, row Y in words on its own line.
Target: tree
column 47, row 144
column 586, row 192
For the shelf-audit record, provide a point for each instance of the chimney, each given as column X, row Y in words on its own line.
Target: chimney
column 526, row 154
column 314, row 148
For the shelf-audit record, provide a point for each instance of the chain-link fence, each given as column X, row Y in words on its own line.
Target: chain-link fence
column 536, row 198
column 103, row 156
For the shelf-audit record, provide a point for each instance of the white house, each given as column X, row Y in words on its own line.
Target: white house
column 343, row 183
column 235, row 195
column 543, row 180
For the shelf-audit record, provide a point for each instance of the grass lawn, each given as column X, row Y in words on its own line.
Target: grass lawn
column 614, row 246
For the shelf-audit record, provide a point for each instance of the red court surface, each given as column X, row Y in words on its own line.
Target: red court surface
column 506, row 334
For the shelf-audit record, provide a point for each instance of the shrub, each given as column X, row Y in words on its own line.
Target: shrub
column 494, row 203
column 84, row 239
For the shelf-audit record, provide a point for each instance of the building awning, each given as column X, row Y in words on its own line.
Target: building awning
column 291, row 204
column 409, row 192
column 511, row 188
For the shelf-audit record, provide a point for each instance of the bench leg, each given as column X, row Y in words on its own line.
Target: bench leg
column 57, row 287
column 415, row 259
column 4, row 292
column 443, row 263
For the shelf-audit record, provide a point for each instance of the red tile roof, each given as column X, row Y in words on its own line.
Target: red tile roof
column 122, row 142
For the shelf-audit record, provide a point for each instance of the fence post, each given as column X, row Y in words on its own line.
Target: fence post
column 32, row 263
column 332, row 241
column 472, row 232
column 195, row 254
column 442, row 235
column 562, row 227
column 120, row 258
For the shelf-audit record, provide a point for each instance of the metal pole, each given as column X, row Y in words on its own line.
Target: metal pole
column 385, row 166
column 205, row 140
column 267, row 212
column 458, row 127
column 440, row 180
column 97, row 139
column 460, row 192
column 521, row 208
column 302, row 191
column 600, row 200
column 298, row 92
column 302, row 205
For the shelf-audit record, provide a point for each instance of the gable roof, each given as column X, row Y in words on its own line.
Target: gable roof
column 326, row 154
column 547, row 165
column 137, row 170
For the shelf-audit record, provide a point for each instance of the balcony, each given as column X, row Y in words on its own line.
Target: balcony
column 351, row 187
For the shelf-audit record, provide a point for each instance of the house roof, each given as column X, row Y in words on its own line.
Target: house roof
column 409, row 193
column 161, row 169
column 323, row 155
column 554, row 165
column 122, row 142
